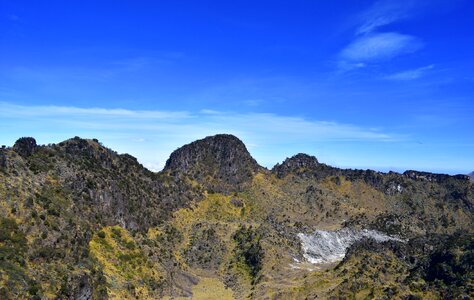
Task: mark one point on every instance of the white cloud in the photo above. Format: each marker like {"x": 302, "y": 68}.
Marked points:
{"x": 7, "y": 109}
{"x": 152, "y": 135}
{"x": 379, "y": 47}
{"x": 371, "y": 44}
{"x": 386, "y": 12}
{"x": 410, "y": 74}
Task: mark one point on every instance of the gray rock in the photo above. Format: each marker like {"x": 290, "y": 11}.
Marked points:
{"x": 220, "y": 163}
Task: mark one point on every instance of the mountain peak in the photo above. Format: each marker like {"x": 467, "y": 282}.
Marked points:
{"x": 221, "y": 163}
{"x": 295, "y": 163}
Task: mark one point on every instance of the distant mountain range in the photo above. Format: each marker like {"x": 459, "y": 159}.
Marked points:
{"x": 79, "y": 221}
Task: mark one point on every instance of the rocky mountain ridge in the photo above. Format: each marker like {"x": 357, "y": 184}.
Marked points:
{"x": 80, "y": 221}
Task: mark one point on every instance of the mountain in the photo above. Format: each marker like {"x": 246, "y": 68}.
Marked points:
{"x": 80, "y": 221}
{"x": 471, "y": 175}
{"x": 220, "y": 163}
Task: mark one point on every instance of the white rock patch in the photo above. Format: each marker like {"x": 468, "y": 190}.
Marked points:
{"x": 330, "y": 246}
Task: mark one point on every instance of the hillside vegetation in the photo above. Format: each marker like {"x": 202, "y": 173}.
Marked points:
{"x": 79, "y": 221}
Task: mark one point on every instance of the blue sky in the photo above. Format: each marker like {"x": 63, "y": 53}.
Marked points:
{"x": 387, "y": 85}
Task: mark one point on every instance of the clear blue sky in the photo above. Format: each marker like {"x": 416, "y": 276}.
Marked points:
{"x": 360, "y": 84}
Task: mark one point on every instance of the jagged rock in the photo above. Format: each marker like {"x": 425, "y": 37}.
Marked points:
{"x": 297, "y": 164}
{"x": 221, "y": 163}
{"x": 25, "y": 146}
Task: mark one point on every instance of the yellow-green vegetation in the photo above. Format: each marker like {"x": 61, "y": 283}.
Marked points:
{"x": 207, "y": 289}
{"x": 214, "y": 208}
{"x": 205, "y": 234}
{"x": 214, "y": 239}
{"x": 215, "y": 212}
{"x": 13, "y": 246}
{"x": 128, "y": 271}
{"x": 211, "y": 289}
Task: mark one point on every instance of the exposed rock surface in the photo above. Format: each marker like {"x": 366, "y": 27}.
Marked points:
{"x": 221, "y": 163}
{"x": 330, "y": 246}
{"x": 300, "y": 163}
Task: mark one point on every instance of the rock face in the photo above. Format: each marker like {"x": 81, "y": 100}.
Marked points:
{"x": 25, "y": 146}
{"x": 221, "y": 163}
{"x": 331, "y": 246}
{"x": 297, "y": 164}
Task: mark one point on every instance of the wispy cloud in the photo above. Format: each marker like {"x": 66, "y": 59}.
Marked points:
{"x": 7, "y": 109}
{"x": 380, "y": 46}
{"x": 410, "y": 74}
{"x": 152, "y": 135}
{"x": 383, "y": 13}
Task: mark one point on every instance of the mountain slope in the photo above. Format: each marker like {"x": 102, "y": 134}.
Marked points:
{"x": 80, "y": 221}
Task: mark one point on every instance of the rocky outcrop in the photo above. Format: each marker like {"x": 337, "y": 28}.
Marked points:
{"x": 299, "y": 164}
{"x": 330, "y": 246}
{"x": 25, "y": 146}
{"x": 220, "y": 163}
{"x": 391, "y": 183}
